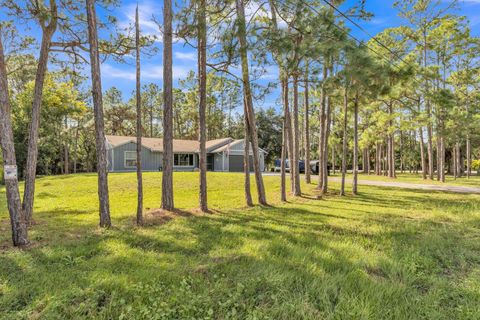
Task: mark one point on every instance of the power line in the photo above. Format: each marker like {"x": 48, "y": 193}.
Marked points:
{"x": 372, "y": 37}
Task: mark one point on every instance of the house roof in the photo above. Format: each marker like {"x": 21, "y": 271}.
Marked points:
{"x": 156, "y": 144}
{"x": 227, "y": 146}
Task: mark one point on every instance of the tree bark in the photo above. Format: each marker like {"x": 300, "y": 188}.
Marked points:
{"x": 459, "y": 159}
{"x": 295, "y": 165}
{"x": 326, "y": 135}
{"x": 333, "y": 159}
{"x": 454, "y": 153}
{"x": 75, "y": 148}
{"x": 246, "y": 159}
{"x": 307, "y": 129}
{"x": 167, "y": 176}
{"x": 321, "y": 141}
{"x": 344, "y": 142}
{"x": 355, "y": 146}
{"x": 98, "y": 114}
{"x": 17, "y": 218}
{"x": 242, "y": 38}
{"x": 422, "y": 154}
{"x": 139, "y": 123}
{"x": 202, "y": 74}
{"x": 469, "y": 156}
{"x": 285, "y": 139}
{"x": 32, "y": 149}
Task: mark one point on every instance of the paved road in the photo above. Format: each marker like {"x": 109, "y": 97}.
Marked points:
{"x": 407, "y": 185}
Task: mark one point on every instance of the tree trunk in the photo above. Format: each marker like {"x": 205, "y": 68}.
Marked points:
{"x": 321, "y": 141}
{"x": 391, "y": 146}
{"x": 422, "y": 154}
{"x": 246, "y": 159}
{"x": 307, "y": 129}
{"x": 333, "y": 160}
{"x": 442, "y": 159}
{"x": 344, "y": 142}
{"x": 355, "y": 146}
{"x": 283, "y": 192}
{"x": 285, "y": 133}
{"x": 98, "y": 113}
{"x": 288, "y": 128}
{"x": 242, "y": 38}
{"x": 454, "y": 158}
{"x": 459, "y": 159}
{"x": 296, "y": 148}
{"x": 328, "y": 113}
{"x": 202, "y": 74}
{"x": 139, "y": 124}
{"x": 32, "y": 149}
{"x": 75, "y": 148}
{"x": 167, "y": 176}
{"x": 17, "y": 217}
{"x": 439, "y": 175}
{"x": 469, "y": 157}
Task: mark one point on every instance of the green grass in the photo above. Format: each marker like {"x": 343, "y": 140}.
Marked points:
{"x": 473, "y": 181}
{"x": 385, "y": 254}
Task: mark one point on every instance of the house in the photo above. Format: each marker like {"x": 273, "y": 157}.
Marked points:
{"x": 224, "y": 154}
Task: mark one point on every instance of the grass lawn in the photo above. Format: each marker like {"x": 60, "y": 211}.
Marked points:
{"x": 385, "y": 254}
{"x": 473, "y": 181}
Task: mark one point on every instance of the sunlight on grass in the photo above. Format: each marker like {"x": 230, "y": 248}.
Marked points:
{"x": 385, "y": 254}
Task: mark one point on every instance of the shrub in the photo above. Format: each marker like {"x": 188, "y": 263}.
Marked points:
{"x": 476, "y": 164}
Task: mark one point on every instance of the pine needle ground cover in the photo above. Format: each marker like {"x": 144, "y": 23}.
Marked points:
{"x": 387, "y": 253}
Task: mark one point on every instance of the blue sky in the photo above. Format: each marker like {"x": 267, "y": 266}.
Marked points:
{"x": 122, "y": 76}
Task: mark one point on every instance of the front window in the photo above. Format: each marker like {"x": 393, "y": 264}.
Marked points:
{"x": 130, "y": 159}
{"x": 183, "y": 160}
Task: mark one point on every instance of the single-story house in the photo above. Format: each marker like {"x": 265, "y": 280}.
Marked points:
{"x": 224, "y": 154}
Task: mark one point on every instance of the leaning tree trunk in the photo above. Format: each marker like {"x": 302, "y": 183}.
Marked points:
{"x": 344, "y": 142}
{"x": 17, "y": 217}
{"x": 167, "y": 176}
{"x": 295, "y": 165}
{"x": 139, "y": 124}
{"x": 242, "y": 38}
{"x": 202, "y": 75}
{"x": 355, "y": 146}
{"x": 32, "y": 149}
{"x": 98, "y": 114}
{"x": 306, "y": 129}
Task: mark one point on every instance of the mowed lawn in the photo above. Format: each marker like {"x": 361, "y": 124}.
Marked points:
{"x": 385, "y": 254}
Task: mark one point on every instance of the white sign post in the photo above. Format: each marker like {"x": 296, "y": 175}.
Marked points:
{"x": 10, "y": 172}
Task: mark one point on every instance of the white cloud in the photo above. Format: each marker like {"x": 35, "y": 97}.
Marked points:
{"x": 190, "y": 56}
{"x": 149, "y": 72}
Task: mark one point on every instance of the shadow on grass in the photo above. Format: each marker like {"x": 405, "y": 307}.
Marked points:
{"x": 304, "y": 260}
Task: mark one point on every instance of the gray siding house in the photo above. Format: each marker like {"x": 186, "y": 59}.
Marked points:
{"x": 222, "y": 154}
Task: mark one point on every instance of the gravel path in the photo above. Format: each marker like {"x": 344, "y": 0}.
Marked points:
{"x": 406, "y": 185}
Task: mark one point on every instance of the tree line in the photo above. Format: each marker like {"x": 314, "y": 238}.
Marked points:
{"x": 406, "y": 99}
